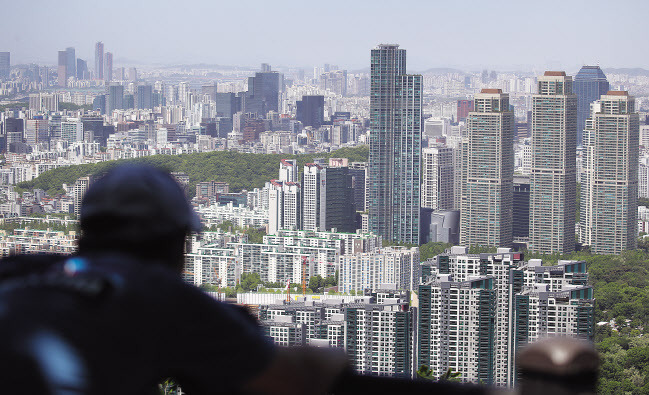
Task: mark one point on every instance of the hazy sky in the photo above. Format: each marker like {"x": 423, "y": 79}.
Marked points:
{"x": 470, "y": 34}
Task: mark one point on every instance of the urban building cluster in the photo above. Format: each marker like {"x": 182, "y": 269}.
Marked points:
{"x": 474, "y": 159}
{"x": 469, "y": 313}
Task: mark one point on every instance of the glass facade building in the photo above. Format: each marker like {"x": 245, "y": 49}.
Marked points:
{"x": 395, "y": 146}
{"x": 590, "y": 83}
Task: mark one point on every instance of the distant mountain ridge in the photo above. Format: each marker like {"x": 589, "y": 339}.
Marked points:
{"x": 635, "y": 72}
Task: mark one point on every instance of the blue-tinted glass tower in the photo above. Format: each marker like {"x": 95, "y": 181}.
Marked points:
{"x": 589, "y": 84}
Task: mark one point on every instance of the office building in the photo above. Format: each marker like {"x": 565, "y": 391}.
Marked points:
{"x": 487, "y": 172}
{"x": 14, "y": 132}
{"x": 210, "y": 91}
{"x": 71, "y": 63}
{"x": 144, "y": 97}
{"x": 358, "y": 172}
{"x": 82, "y": 70}
{"x": 395, "y": 146}
{"x": 336, "y": 205}
{"x": 108, "y": 67}
{"x": 62, "y": 69}
{"x": 553, "y": 182}
{"x": 590, "y": 83}
{"x": 115, "y": 98}
{"x": 310, "y": 111}
{"x": 5, "y": 65}
{"x": 477, "y": 310}
{"x": 437, "y": 174}
{"x": 263, "y": 93}
{"x": 464, "y": 107}
{"x": 371, "y": 270}
{"x": 72, "y": 130}
{"x": 521, "y": 209}
{"x": 609, "y": 183}
{"x": 440, "y": 226}
{"x": 226, "y": 104}
{"x": 99, "y": 60}
{"x": 36, "y": 131}
{"x": 132, "y": 74}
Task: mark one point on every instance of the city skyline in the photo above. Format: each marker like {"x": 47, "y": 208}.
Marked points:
{"x": 437, "y": 35}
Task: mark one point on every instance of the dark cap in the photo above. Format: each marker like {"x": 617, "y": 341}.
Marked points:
{"x": 139, "y": 201}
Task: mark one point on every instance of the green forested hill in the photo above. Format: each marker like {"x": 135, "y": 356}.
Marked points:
{"x": 241, "y": 171}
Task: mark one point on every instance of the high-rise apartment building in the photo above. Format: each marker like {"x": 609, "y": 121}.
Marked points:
{"x": 487, "y": 172}
{"x": 99, "y": 60}
{"x": 590, "y": 83}
{"x": 609, "y": 183}
{"x": 395, "y": 146}
{"x": 288, "y": 170}
{"x": 477, "y": 310}
{"x": 284, "y": 206}
{"x": 371, "y": 270}
{"x": 311, "y": 195}
{"x": 553, "y": 182}
{"x": 108, "y": 67}
{"x": 5, "y": 65}
{"x": 437, "y": 175}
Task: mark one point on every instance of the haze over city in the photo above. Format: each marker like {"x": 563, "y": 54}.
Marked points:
{"x": 471, "y": 35}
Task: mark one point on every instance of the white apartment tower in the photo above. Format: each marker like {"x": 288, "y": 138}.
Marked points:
{"x": 487, "y": 172}
{"x": 311, "y": 196}
{"x": 553, "y": 182}
{"x": 609, "y": 184}
{"x": 437, "y": 185}
{"x": 288, "y": 170}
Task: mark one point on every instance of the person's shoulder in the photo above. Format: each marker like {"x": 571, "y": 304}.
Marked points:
{"x": 22, "y": 264}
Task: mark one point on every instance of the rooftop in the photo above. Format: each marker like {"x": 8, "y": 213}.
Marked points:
{"x": 555, "y": 74}
{"x": 491, "y": 90}
{"x": 617, "y": 93}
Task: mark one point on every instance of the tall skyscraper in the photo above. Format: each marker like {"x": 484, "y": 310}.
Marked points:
{"x": 553, "y": 182}
{"x": 311, "y": 196}
{"x": 487, "y": 172}
{"x": 99, "y": 60}
{"x": 437, "y": 178}
{"x": 609, "y": 183}
{"x": 590, "y": 83}
{"x": 82, "y": 69}
{"x": 263, "y": 93}
{"x": 144, "y": 97}
{"x": 71, "y": 63}
{"x": 5, "y": 65}
{"x": 36, "y": 130}
{"x": 62, "y": 68}
{"x": 395, "y": 146}
{"x": 115, "y": 99}
{"x": 310, "y": 110}
{"x": 108, "y": 67}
